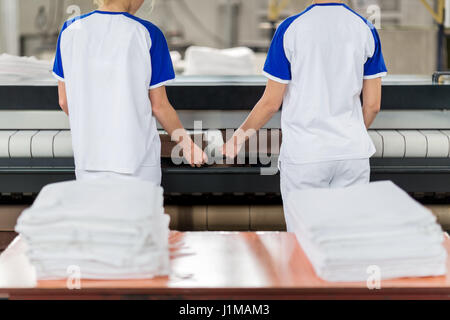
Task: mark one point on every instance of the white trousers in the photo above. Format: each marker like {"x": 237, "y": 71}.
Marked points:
{"x": 333, "y": 174}
{"x": 150, "y": 174}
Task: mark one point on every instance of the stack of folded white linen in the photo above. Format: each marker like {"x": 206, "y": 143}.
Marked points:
{"x": 224, "y": 62}
{"x": 25, "y": 70}
{"x": 377, "y": 229}
{"x": 103, "y": 228}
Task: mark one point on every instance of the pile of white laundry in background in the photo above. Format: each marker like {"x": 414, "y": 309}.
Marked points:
{"x": 25, "y": 70}
{"x": 211, "y": 61}
{"x": 104, "y": 229}
{"x": 349, "y": 233}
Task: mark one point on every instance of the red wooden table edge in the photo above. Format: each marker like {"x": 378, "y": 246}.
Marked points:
{"x": 232, "y": 293}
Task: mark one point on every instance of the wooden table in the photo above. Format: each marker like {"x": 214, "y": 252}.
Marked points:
{"x": 224, "y": 265}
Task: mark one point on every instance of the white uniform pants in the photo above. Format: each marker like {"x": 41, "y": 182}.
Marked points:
{"x": 150, "y": 174}
{"x": 333, "y": 174}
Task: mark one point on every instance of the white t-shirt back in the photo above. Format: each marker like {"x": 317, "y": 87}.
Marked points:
{"x": 109, "y": 61}
{"x": 323, "y": 54}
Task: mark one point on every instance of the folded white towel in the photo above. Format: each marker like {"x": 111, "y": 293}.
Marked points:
{"x": 110, "y": 199}
{"x": 106, "y": 258}
{"x": 393, "y": 270}
{"x": 93, "y": 269}
{"x": 369, "y": 225}
{"x": 369, "y": 254}
{"x": 125, "y": 233}
{"x": 371, "y": 207}
{"x": 109, "y": 228}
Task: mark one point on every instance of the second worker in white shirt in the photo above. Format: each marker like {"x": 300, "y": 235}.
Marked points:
{"x": 319, "y": 63}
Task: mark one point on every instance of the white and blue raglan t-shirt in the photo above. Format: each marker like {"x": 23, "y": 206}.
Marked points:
{"x": 109, "y": 61}
{"x": 323, "y": 54}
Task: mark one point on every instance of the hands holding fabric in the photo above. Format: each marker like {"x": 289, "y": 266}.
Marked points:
{"x": 233, "y": 146}
{"x": 194, "y": 155}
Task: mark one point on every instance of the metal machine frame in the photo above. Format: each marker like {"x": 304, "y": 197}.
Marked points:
{"x": 226, "y": 94}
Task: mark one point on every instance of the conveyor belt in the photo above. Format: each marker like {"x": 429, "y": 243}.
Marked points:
{"x": 35, "y": 144}
{"x": 417, "y": 160}
{"x": 411, "y": 134}
{"x": 47, "y": 144}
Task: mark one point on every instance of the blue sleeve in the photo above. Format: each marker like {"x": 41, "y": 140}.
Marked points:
{"x": 162, "y": 67}
{"x": 58, "y": 70}
{"x": 375, "y": 66}
{"x": 277, "y": 66}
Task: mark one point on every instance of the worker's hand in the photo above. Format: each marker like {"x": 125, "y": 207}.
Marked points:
{"x": 193, "y": 153}
{"x": 233, "y": 146}
{"x": 230, "y": 149}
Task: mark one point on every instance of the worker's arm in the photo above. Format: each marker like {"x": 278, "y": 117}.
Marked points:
{"x": 371, "y": 100}
{"x": 168, "y": 118}
{"x": 63, "y": 97}
{"x": 263, "y": 111}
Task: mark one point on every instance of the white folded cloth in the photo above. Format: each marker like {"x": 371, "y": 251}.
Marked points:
{"x": 111, "y": 199}
{"x": 211, "y": 61}
{"x": 392, "y": 270}
{"x": 367, "y": 206}
{"x": 370, "y": 225}
{"x": 110, "y": 228}
{"x": 55, "y": 270}
{"x": 125, "y": 233}
{"x": 25, "y": 71}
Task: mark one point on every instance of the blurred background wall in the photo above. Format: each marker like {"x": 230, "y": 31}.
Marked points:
{"x": 408, "y": 32}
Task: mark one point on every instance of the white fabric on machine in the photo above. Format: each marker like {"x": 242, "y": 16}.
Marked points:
{"x": 367, "y": 225}
{"x": 110, "y": 228}
{"x": 25, "y": 70}
{"x": 211, "y": 61}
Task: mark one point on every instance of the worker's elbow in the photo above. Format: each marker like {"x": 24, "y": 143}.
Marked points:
{"x": 272, "y": 106}
{"x": 374, "y": 108}
{"x": 275, "y": 108}
{"x": 157, "y": 109}
{"x": 63, "y": 104}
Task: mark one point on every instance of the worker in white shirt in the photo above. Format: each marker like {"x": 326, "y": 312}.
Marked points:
{"x": 319, "y": 63}
{"x": 112, "y": 69}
